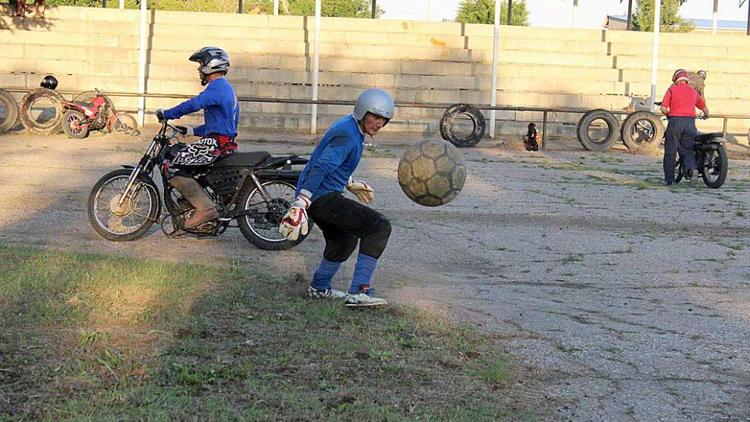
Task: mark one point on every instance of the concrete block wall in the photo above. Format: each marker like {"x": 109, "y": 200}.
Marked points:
{"x": 416, "y": 61}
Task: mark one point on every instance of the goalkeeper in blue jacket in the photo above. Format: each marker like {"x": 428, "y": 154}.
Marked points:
{"x": 345, "y": 223}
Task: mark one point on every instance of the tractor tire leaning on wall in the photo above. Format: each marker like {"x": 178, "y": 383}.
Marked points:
{"x": 584, "y": 137}
{"x": 449, "y": 116}
{"x": 50, "y": 126}
{"x": 9, "y": 104}
{"x": 642, "y": 131}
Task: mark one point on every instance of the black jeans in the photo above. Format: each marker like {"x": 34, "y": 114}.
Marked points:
{"x": 680, "y": 134}
{"x": 345, "y": 222}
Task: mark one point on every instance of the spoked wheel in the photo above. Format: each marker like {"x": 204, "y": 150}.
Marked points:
{"x": 125, "y": 123}
{"x": 260, "y": 225}
{"x": 126, "y": 220}
{"x": 73, "y": 125}
{"x": 715, "y": 167}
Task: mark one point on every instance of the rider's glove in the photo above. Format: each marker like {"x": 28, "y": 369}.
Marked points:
{"x": 294, "y": 222}
{"x": 361, "y": 190}
{"x": 160, "y": 115}
{"x": 185, "y": 130}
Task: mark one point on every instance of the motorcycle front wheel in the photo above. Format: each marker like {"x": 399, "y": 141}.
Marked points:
{"x": 715, "y": 167}
{"x": 73, "y": 125}
{"x": 130, "y": 220}
{"x": 260, "y": 224}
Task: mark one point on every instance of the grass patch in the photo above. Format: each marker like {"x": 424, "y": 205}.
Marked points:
{"x": 94, "y": 337}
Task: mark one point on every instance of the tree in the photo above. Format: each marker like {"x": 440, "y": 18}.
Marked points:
{"x": 643, "y": 18}
{"x": 483, "y": 11}
{"x": 333, "y": 8}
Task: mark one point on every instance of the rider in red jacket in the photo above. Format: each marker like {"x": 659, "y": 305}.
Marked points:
{"x": 679, "y": 105}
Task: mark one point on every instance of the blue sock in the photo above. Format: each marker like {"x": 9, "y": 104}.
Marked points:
{"x": 324, "y": 274}
{"x": 362, "y": 272}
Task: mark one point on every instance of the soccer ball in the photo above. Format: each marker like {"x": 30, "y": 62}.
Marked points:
{"x": 432, "y": 172}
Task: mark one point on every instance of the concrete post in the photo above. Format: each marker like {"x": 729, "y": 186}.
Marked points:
{"x": 122, "y": 4}
{"x": 715, "y": 17}
{"x": 655, "y": 54}
{"x": 495, "y": 53}
{"x": 316, "y": 68}
{"x": 142, "y": 65}
{"x": 276, "y": 7}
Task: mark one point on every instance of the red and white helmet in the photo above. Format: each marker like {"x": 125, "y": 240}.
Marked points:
{"x": 680, "y": 75}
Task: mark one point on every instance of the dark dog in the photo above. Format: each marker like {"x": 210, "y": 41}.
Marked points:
{"x": 530, "y": 139}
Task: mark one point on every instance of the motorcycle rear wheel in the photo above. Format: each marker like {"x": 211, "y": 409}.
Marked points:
{"x": 715, "y": 167}
{"x": 134, "y": 218}
{"x": 73, "y": 124}
{"x": 261, "y": 226}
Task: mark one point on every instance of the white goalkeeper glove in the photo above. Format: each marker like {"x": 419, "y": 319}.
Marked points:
{"x": 364, "y": 192}
{"x": 294, "y": 222}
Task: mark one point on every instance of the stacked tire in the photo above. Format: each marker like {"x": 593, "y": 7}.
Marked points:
{"x": 49, "y": 120}
{"x": 642, "y": 132}
{"x": 8, "y": 111}
{"x": 462, "y": 112}
{"x": 592, "y": 124}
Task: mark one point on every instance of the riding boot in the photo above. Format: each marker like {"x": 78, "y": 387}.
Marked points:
{"x": 192, "y": 191}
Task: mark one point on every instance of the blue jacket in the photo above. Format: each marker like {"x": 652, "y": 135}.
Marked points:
{"x": 333, "y": 160}
{"x": 221, "y": 109}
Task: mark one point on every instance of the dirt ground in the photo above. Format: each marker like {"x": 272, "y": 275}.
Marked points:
{"x": 630, "y": 299}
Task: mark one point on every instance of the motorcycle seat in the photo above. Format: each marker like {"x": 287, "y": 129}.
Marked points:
{"x": 705, "y": 137}
{"x": 242, "y": 159}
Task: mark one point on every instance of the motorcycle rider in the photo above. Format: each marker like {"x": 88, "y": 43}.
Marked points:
{"x": 221, "y": 112}
{"x": 344, "y": 222}
{"x": 679, "y": 105}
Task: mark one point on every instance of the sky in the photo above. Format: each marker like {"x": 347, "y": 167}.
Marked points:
{"x": 558, "y": 13}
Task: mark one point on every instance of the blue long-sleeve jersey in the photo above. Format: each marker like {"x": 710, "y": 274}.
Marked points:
{"x": 333, "y": 160}
{"x": 221, "y": 109}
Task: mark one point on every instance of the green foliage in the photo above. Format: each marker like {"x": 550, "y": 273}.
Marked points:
{"x": 483, "y": 11}
{"x": 643, "y": 18}
{"x": 331, "y": 8}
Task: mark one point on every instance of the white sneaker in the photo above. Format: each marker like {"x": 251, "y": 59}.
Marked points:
{"x": 325, "y": 294}
{"x": 364, "y": 299}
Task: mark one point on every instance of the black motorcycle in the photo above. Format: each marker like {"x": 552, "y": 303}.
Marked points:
{"x": 253, "y": 188}
{"x": 711, "y": 159}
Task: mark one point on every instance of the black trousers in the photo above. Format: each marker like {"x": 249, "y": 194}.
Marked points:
{"x": 345, "y": 222}
{"x": 680, "y": 134}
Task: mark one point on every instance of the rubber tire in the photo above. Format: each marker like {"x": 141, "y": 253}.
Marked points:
{"x": 249, "y": 190}
{"x": 153, "y": 215}
{"x": 125, "y": 123}
{"x": 723, "y": 170}
{"x": 583, "y": 126}
{"x": 10, "y": 104}
{"x": 67, "y": 117}
{"x": 51, "y": 127}
{"x": 446, "y": 125}
{"x": 631, "y": 123}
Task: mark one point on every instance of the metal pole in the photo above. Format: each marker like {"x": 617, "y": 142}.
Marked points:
{"x": 495, "y": 53}
{"x": 748, "y": 19}
{"x": 276, "y": 7}
{"x": 122, "y": 4}
{"x": 374, "y": 8}
{"x": 575, "y": 12}
{"x": 316, "y": 68}
{"x": 510, "y": 10}
{"x": 630, "y": 15}
{"x": 241, "y": 8}
{"x": 142, "y": 65}
{"x": 715, "y": 17}
{"x": 543, "y": 146}
{"x": 655, "y": 55}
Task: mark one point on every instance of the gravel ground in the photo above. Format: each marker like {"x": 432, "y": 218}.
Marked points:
{"x": 629, "y": 299}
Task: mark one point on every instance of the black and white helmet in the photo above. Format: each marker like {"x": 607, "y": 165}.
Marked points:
{"x": 211, "y": 60}
{"x": 375, "y": 101}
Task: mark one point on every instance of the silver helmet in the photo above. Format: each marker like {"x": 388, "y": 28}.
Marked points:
{"x": 375, "y": 101}
{"x": 211, "y": 60}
